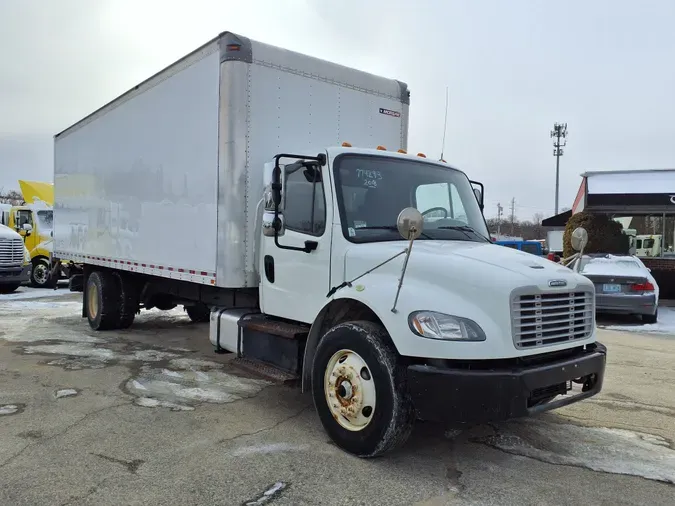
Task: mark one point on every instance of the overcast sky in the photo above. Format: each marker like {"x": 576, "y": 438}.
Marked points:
{"x": 513, "y": 68}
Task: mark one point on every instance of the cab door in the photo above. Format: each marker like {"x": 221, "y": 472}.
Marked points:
{"x": 24, "y": 217}
{"x": 294, "y": 283}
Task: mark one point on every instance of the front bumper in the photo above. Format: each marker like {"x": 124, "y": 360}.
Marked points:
{"x": 626, "y": 303}
{"x": 510, "y": 390}
{"x": 11, "y": 275}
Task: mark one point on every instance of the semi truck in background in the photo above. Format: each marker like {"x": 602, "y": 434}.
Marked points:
{"x": 15, "y": 266}
{"x": 37, "y": 215}
{"x": 270, "y": 193}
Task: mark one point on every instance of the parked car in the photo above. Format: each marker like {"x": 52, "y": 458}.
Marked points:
{"x": 623, "y": 285}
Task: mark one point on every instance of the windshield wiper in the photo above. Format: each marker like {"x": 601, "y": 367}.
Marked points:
{"x": 465, "y": 229}
{"x": 388, "y": 227}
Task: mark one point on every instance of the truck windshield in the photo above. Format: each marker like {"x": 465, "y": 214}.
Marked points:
{"x": 372, "y": 191}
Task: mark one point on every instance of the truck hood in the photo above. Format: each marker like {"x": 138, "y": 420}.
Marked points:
{"x": 8, "y": 233}
{"x": 473, "y": 263}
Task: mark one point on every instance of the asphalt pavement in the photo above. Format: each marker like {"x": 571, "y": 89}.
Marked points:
{"x": 151, "y": 416}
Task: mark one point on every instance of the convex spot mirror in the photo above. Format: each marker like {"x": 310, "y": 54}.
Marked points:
{"x": 579, "y": 238}
{"x": 410, "y": 223}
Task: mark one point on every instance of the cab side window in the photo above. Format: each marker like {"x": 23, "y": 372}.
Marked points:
{"x": 305, "y": 203}
{"x": 24, "y": 217}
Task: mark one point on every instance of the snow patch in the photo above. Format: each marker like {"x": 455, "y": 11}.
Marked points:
{"x": 167, "y": 387}
{"x": 73, "y": 350}
{"x": 34, "y": 293}
{"x": 267, "y": 449}
{"x": 65, "y": 392}
{"x": 8, "y": 409}
{"x": 616, "y": 451}
{"x": 148, "y": 402}
{"x": 664, "y": 326}
{"x": 192, "y": 363}
{"x": 268, "y": 494}
{"x": 77, "y": 364}
{"x": 29, "y": 336}
{"x": 151, "y": 355}
{"x": 13, "y": 306}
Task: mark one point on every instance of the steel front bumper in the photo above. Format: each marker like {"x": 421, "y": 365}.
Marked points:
{"x": 11, "y": 275}
{"x": 469, "y": 395}
{"x": 625, "y": 304}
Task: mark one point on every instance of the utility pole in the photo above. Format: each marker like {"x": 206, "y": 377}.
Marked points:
{"x": 500, "y": 210}
{"x": 559, "y": 132}
{"x": 513, "y": 214}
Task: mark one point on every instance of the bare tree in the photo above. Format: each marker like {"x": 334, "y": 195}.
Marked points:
{"x": 11, "y": 197}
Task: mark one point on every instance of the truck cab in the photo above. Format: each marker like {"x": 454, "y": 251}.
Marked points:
{"x": 439, "y": 323}
{"x": 15, "y": 266}
{"x": 40, "y": 221}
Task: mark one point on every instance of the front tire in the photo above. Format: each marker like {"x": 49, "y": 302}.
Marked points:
{"x": 40, "y": 276}
{"x": 359, "y": 389}
{"x": 103, "y": 301}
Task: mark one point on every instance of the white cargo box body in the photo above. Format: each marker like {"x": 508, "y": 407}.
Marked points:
{"x": 166, "y": 179}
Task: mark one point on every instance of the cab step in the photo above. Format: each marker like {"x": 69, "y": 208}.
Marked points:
{"x": 265, "y": 371}
{"x": 274, "y": 327}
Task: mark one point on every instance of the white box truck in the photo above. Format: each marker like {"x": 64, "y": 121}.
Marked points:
{"x": 227, "y": 183}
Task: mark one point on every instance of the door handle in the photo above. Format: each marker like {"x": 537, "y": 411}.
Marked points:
{"x": 311, "y": 246}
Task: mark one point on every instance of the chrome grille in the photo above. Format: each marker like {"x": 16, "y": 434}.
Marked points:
{"x": 11, "y": 252}
{"x": 545, "y": 319}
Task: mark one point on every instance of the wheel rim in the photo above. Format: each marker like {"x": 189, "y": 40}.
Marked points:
{"x": 350, "y": 390}
{"x": 92, "y": 301}
{"x": 40, "y": 273}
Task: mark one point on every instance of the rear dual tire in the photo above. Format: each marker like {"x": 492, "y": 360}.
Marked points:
{"x": 111, "y": 300}
{"x": 359, "y": 389}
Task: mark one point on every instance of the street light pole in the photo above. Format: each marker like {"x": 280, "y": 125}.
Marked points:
{"x": 559, "y": 132}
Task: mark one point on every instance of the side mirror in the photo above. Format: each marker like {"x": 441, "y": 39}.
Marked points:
{"x": 579, "y": 239}
{"x": 478, "y": 191}
{"x": 270, "y": 226}
{"x": 410, "y": 223}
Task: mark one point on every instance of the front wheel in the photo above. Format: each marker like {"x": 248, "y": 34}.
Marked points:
{"x": 359, "y": 389}
{"x": 40, "y": 276}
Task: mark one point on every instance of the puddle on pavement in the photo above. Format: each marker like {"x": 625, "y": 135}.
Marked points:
{"x": 616, "y": 451}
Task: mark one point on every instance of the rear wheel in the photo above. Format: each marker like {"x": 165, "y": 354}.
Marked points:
{"x": 650, "y": 318}
{"x": 103, "y": 296}
{"x": 359, "y": 389}
{"x": 128, "y": 302}
{"x": 198, "y": 312}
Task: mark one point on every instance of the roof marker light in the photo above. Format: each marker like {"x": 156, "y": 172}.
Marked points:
{"x": 381, "y": 148}
{"x": 422, "y": 155}
{"x": 403, "y": 151}
{"x": 346, "y": 145}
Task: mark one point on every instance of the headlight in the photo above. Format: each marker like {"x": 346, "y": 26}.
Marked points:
{"x": 26, "y": 255}
{"x": 446, "y": 327}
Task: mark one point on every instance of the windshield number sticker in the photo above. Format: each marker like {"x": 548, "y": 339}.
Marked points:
{"x": 369, "y": 177}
